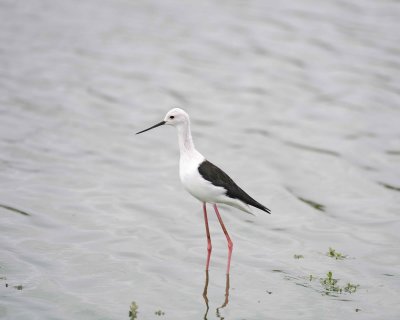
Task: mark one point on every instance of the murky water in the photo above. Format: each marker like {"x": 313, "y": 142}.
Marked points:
{"x": 297, "y": 100}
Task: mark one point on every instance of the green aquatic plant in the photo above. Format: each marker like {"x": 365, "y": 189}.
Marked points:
{"x": 133, "y": 310}
{"x": 14, "y": 209}
{"x": 388, "y": 186}
{"x": 334, "y": 254}
{"x": 298, "y": 256}
{"x": 315, "y": 205}
{"x": 159, "y": 313}
{"x": 351, "y": 288}
{"x": 330, "y": 284}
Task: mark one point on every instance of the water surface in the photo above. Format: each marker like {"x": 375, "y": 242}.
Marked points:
{"x": 297, "y": 101}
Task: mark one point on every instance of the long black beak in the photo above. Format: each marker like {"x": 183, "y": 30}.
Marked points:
{"x": 155, "y": 126}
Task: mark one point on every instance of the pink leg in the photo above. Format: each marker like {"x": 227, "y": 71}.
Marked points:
{"x": 209, "y": 247}
{"x": 230, "y": 243}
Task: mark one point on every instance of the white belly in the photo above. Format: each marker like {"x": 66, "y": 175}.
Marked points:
{"x": 202, "y": 189}
{"x": 196, "y": 185}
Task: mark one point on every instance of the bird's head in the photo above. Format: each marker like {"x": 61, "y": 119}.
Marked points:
{"x": 174, "y": 117}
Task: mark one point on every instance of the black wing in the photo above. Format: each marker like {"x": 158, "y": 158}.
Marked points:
{"x": 219, "y": 178}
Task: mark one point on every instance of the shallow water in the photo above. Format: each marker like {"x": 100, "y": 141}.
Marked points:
{"x": 297, "y": 101}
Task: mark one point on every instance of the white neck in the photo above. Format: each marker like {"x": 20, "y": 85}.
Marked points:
{"x": 185, "y": 140}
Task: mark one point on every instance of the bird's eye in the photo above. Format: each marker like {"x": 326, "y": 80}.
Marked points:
{"x": 171, "y": 117}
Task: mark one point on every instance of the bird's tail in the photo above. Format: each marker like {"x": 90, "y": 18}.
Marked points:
{"x": 258, "y": 205}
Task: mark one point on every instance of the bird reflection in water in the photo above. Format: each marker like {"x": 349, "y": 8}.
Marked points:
{"x": 226, "y": 301}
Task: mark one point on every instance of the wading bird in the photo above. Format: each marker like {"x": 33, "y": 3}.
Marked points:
{"x": 205, "y": 181}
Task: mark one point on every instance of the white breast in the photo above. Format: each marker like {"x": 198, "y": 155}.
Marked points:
{"x": 194, "y": 183}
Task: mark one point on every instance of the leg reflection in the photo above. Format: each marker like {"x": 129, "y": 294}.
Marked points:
{"x": 205, "y": 297}
{"x": 226, "y": 296}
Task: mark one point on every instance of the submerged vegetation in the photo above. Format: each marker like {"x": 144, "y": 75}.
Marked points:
{"x": 311, "y": 203}
{"x": 351, "y": 288}
{"x": 159, "y": 313}
{"x": 14, "y": 210}
{"x": 388, "y": 186}
{"x": 315, "y": 205}
{"x": 334, "y": 254}
{"x": 330, "y": 285}
{"x": 133, "y": 310}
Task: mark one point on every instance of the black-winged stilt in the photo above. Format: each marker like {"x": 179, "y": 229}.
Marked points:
{"x": 205, "y": 181}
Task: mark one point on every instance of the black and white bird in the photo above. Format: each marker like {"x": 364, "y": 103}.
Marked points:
{"x": 205, "y": 181}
